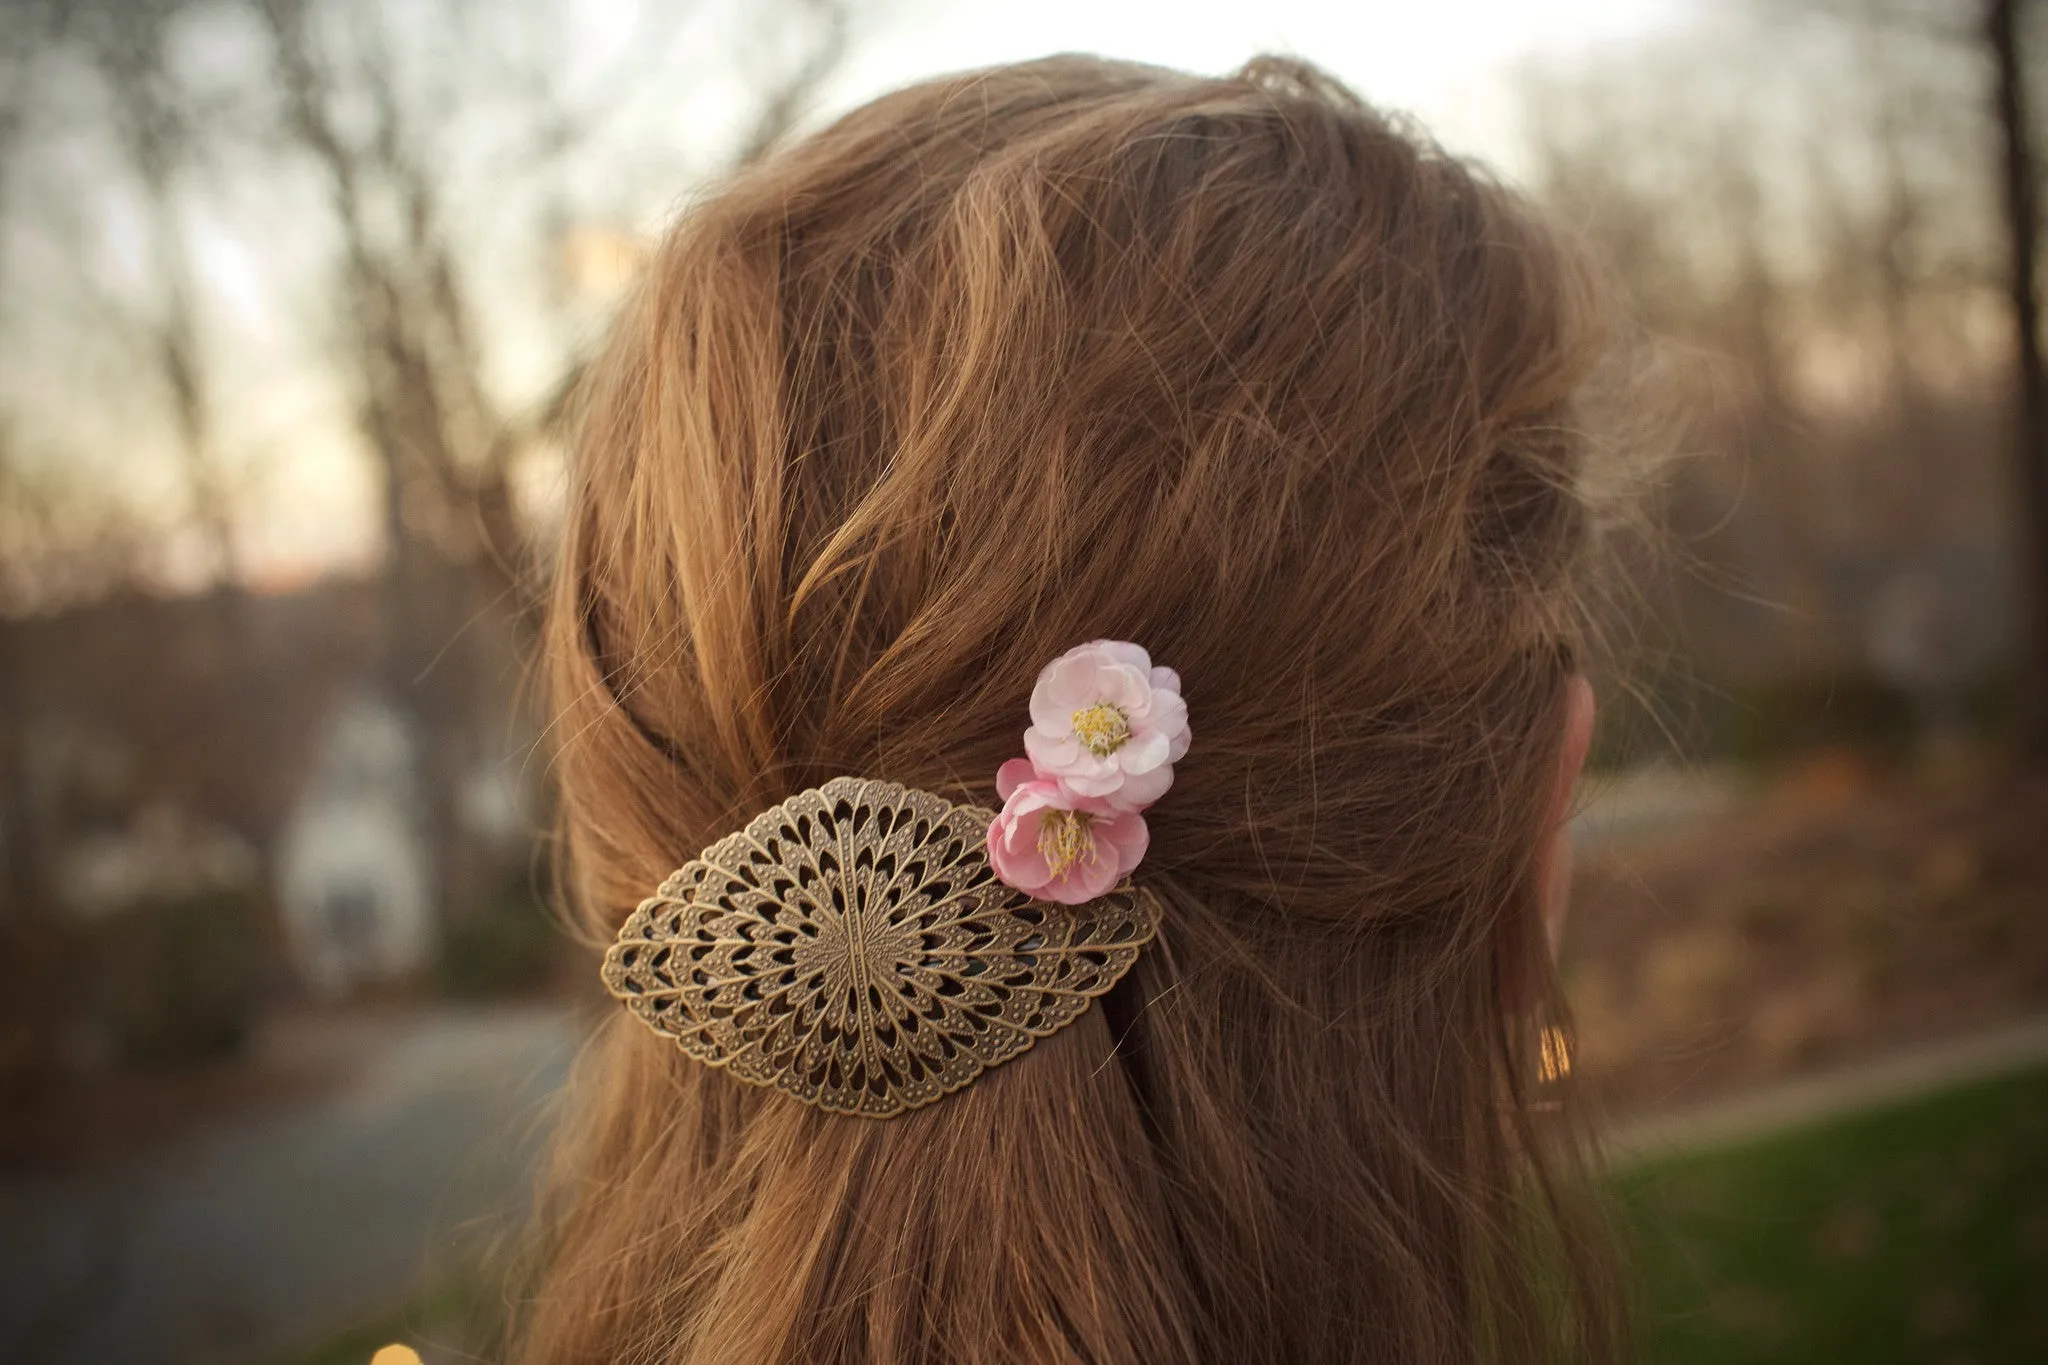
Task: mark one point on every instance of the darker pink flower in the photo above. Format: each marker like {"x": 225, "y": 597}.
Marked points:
{"x": 1056, "y": 846}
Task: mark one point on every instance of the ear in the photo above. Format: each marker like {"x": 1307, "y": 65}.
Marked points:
{"x": 1554, "y": 853}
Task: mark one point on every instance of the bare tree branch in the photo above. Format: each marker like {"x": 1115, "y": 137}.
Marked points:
{"x": 156, "y": 131}
{"x": 786, "y": 102}
{"x": 444, "y": 443}
{"x": 2020, "y": 180}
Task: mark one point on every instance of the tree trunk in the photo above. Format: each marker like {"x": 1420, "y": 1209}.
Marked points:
{"x": 2001, "y": 32}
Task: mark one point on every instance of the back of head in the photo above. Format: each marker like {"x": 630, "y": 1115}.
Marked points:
{"x": 992, "y": 366}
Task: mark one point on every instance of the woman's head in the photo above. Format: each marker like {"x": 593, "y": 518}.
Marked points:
{"x": 996, "y": 365}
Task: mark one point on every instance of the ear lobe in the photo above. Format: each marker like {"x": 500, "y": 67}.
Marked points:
{"x": 1554, "y": 855}
{"x": 1518, "y": 943}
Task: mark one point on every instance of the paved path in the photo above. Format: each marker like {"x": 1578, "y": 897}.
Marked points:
{"x": 251, "y": 1237}
{"x": 1646, "y": 802}
{"x": 1792, "y": 1104}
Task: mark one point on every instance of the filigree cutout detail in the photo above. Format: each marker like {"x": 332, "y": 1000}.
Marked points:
{"x": 853, "y": 947}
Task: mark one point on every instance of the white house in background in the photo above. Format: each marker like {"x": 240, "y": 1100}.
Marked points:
{"x": 354, "y": 875}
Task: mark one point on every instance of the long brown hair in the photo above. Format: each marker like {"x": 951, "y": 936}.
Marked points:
{"x": 1234, "y": 368}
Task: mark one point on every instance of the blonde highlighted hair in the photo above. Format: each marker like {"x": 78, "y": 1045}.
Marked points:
{"x": 1240, "y": 370}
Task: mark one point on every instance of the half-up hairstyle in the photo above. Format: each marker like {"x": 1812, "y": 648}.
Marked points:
{"x": 992, "y": 366}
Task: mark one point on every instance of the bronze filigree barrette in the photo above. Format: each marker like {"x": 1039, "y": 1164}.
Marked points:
{"x": 853, "y": 947}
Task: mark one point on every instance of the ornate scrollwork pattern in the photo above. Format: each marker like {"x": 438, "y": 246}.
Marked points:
{"x": 853, "y": 947}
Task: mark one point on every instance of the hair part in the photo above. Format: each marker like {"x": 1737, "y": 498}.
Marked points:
{"x": 1238, "y": 369}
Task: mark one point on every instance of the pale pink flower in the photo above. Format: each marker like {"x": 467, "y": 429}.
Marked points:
{"x": 1055, "y": 846}
{"x": 1106, "y": 724}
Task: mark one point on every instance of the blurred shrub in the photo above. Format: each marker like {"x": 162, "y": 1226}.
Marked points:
{"x": 167, "y": 981}
{"x": 1991, "y": 706}
{"x": 1801, "y": 715}
{"x": 1768, "y": 722}
{"x": 34, "y": 958}
{"x": 174, "y": 980}
{"x": 504, "y": 945}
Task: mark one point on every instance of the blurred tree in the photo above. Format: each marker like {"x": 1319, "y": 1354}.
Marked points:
{"x": 384, "y": 139}
{"x": 159, "y": 129}
{"x": 60, "y": 539}
{"x": 1829, "y": 253}
{"x": 2020, "y": 183}
{"x": 444, "y": 440}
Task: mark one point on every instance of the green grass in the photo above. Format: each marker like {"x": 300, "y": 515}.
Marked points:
{"x": 1917, "y": 1233}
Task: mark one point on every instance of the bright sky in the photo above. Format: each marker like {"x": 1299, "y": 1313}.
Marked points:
{"x": 1452, "y": 63}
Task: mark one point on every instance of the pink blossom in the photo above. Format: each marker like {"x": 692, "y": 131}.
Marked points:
{"x": 1055, "y": 846}
{"x": 1107, "y": 725}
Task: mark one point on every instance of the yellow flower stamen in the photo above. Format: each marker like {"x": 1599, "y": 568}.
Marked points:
{"x": 1065, "y": 839}
{"x": 1101, "y": 728}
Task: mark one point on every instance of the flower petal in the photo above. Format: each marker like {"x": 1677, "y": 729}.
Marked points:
{"x": 1126, "y": 837}
{"x": 1053, "y": 755}
{"x": 1091, "y": 782}
{"x": 1125, "y": 687}
{"x": 1013, "y": 775}
{"x": 1052, "y": 710}
{"x": 1123, "y": 652}
{"x": 1085, "y": 880}
{"x": 1169, "y": 713}
{"x": 1019, "y": 864}
{"x": 1075, "y": 681}
{"x": 1143, "y": 752}
{"x": 1170, "y": 717}
{"x": 1140, "y": 790}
